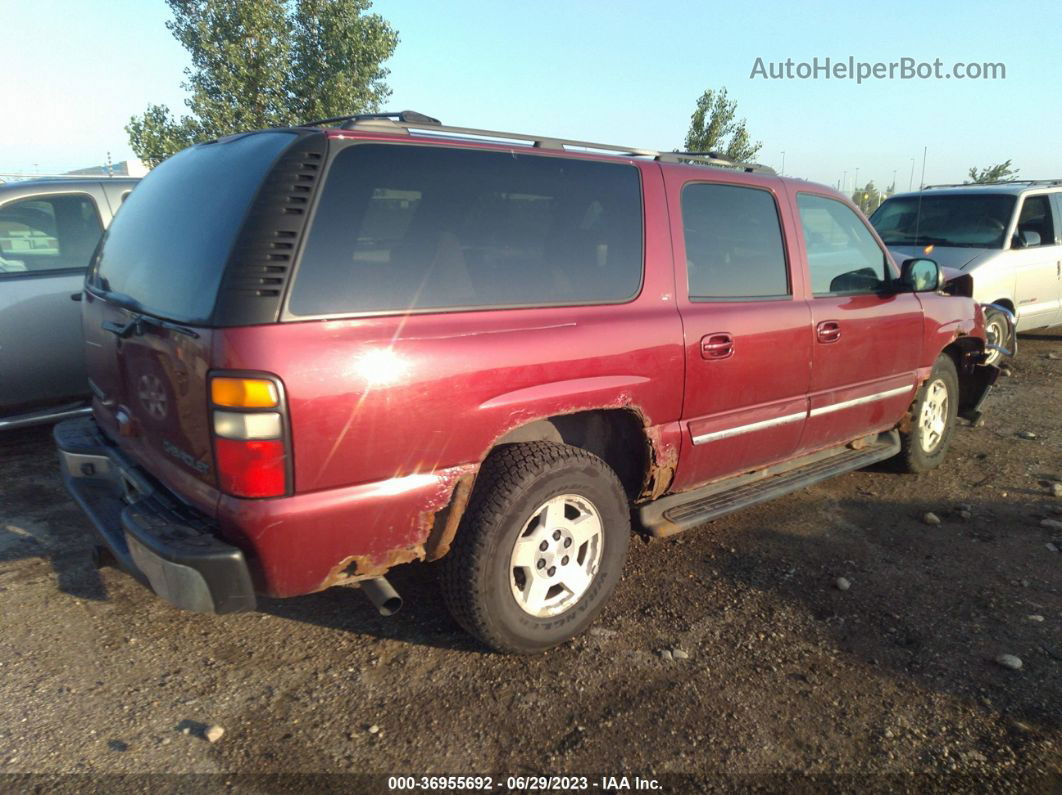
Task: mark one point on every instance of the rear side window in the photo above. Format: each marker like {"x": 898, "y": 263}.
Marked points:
{"x": 843, "y": 256}
{"x": 166, "y": 251}
{"x": 405, "y": 227}
{"x": 733, "y": 243}
{"x": 48, "y": 233}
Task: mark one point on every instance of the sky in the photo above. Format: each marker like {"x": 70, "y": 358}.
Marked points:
{"x": 613, "y": 71}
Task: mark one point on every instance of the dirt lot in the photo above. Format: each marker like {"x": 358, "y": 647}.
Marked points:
{"x": 892, "y": 682}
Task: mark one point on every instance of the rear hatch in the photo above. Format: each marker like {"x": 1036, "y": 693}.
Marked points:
{"x": 175, "y": 265}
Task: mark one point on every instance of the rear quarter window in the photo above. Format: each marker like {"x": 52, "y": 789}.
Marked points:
{"x": 406, "y": 228}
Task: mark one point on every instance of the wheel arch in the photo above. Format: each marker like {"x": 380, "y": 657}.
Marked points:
{"x": 616, "y": 435}
{"x": 974, "y": 379}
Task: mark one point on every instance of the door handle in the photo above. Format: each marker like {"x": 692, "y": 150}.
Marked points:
{"x": 719, "y": 345}
{"x": 828, "y": 331}
{"x": 75, "y": 297}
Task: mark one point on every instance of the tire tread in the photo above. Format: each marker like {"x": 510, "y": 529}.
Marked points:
{"x": 506, "y": 473}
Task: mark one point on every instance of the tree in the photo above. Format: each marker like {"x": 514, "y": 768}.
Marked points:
{"x": 715, "y": 128}
{"x": 996, "y": 173}
{"x": 267, "y": 63}
{"x": 867, "y": 198}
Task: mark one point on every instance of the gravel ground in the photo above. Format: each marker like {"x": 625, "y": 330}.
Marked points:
{"x": 733, "y": 652}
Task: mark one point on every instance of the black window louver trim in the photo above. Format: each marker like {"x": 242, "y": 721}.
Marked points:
{"x": 259, "y": 268}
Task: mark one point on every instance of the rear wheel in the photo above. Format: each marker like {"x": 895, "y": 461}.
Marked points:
{"x": 540, "y": 549}
{"x": 925, "y": 444}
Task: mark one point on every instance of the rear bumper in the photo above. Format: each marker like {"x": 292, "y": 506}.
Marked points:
{"x": 162, "y": 543}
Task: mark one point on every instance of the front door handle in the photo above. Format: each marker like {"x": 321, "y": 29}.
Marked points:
{"x": 719, "y": 345}
{"x": 828, "y": 331}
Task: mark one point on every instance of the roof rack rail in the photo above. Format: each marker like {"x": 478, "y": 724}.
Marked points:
{"x": 405, "y": 121}
{"x": 998, "y": 182}
{"x": 407, "y": 116}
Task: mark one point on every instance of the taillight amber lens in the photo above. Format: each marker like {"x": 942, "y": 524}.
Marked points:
{"x": 244, "y": 393}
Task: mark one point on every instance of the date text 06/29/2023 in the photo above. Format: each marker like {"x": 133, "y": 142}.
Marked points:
{"x": 522, "y": 783}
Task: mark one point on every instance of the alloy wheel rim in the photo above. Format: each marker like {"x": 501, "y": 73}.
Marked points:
{"x": 994, "y": 335}
{"x": 933, "y": 419}
{"x": 556, "y": 556}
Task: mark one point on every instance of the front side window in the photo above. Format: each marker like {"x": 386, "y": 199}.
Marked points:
{"x": 402, "y": 228}
{"x": 734, "y": 244}
{"x": 1035, "y": 225}
{"x": 843, "y": 256}
{"x": 48, "y": 233}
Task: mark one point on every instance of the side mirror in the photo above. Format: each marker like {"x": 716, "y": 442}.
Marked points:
{"x": 921, "y": 275}
{"x": 1025, "y": 238}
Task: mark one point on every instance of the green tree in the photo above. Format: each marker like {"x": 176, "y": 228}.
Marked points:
{"x": 714, "y": 127}
{"x": 867, "y": 198}
{"x": 266, "y": 63}
{"x": 996, "y": 173}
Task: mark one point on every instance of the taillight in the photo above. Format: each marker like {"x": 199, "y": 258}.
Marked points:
{"x": 251, "y": 447}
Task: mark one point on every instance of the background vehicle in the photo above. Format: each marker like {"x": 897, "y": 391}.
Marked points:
{"x": 393, "y": 341}
{"x": 1008, "y": 235}
{"x": 48, "y": 231}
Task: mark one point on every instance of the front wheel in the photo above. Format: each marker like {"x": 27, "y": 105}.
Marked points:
{"x": 540, "y": 549}
{"x": 932, "y": 419}
{"x": 997, "y": 333}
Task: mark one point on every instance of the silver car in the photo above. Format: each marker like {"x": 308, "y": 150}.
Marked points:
{"x": 1008, "y": 235}
{"x": 49, "y": 229}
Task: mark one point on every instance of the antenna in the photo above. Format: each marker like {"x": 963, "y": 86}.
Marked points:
{"x": 921, "y": 185}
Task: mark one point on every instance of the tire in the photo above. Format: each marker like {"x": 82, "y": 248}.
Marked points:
{"x": 933, "y": 413}
{"x": 997, "y": 332}
{"x": 519, "y": 598}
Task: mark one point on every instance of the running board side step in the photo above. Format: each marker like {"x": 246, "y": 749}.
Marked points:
{"x": 678, "y": 512}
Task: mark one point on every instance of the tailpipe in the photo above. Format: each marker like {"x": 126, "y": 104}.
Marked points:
{"x": 383, "y": 597}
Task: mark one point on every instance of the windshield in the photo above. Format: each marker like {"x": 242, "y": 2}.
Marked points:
{"x": 166, "y": 251}
{"x": 962, "y": 221}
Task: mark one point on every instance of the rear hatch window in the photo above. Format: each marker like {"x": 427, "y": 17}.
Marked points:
{"x": 401, "y": 227}
{"x": 166, "y": 251}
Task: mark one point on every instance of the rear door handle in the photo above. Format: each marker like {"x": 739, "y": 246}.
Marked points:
{"x": 828, "y": 331}
{"x": 719, "y": 345}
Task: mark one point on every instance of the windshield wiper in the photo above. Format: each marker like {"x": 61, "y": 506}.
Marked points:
{"x": 139, "y": 318}
{"x": 921, "y": 240}
{"x": 136, "y": 326}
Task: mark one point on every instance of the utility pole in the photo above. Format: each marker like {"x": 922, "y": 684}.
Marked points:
{"x": 783, "y": 162}
{"x": 844, "y": 181}
{"x": 855, "y": 186}
{"x": 910, "y": 182}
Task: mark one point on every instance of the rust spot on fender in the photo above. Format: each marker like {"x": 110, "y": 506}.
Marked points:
{"x": 436, "y": 526}
{"x": 364, "y": 567}
{"x": 663, "y": 458}
{"x": 445, "y": 522}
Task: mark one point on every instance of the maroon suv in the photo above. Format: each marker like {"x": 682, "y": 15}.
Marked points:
{"x": 317, "y": 353}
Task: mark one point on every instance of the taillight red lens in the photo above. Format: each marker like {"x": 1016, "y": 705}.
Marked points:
{"x": 251, "y": 468}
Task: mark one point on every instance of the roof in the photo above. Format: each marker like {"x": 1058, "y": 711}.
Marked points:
{"x": 1009, "y": 188}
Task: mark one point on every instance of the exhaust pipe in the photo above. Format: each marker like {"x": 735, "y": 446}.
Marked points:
{"x": 383, "y": 597}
